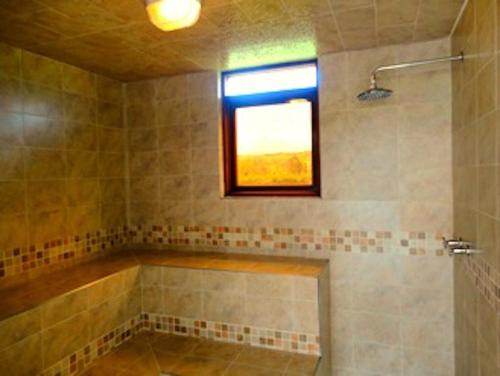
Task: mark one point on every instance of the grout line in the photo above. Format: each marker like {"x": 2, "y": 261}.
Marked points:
{"x": 459, "y": 17}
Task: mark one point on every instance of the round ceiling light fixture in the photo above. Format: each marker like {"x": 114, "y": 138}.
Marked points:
{"x": 170, "y": 15}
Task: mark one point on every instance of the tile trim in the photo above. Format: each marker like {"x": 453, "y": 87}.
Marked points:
{"x": 304, "y": 343}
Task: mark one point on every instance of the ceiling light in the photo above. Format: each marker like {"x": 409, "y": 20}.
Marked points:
{"x": 170, "y": 15}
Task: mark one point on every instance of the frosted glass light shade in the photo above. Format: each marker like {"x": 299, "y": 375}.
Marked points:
{"x": 170, "y": 15}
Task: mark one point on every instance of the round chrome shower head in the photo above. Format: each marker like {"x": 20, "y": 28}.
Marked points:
{"x": 374, "y": 93}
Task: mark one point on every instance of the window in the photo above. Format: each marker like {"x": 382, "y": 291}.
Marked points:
{"x": 270, "y": 127}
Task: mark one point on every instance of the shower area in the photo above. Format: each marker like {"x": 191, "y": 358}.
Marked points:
{"x": 121, "y": 254}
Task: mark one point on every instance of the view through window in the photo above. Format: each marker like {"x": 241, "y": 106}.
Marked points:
{"x": 274, "y": 145}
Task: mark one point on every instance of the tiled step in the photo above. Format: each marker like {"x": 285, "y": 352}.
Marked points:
{"x": 154, "y": 354}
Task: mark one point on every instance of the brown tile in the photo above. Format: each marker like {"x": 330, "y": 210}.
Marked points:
{"x": 18, "y": 327}
{"x": 217, "y": 350}
{"x": 56, "y": 342}
{"x": 10, "y": 61}
{"x": 275, "y": 360}
{"x": 175, "y": 344}
{"x": 194, "y": 366}
{"x": 43, "y": 132}
{"x": 244, "y": 370}
{"x": 11, "y": 129}
{"x": 45, "y": 164}
{"x": 41, "y": 70}
{"x": 24, "y": 358}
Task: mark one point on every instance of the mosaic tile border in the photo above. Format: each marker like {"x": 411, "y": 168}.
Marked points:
{"x": 57, "y": 252}
{"x": 234, "y": 333}
{"x": 484, "y": 277}
{"x": 288, "y": 239}
{"x": 80, "y": 359}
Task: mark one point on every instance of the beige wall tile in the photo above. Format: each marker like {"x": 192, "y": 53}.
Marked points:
{"x": 56, "y": 342}
{"x": 18, "y": 327}
{"x": 24, "y": 358}
{"x": 63, "y": 307}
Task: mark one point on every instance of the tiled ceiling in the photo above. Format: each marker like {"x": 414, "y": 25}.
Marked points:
{"x": 114, "y": 37}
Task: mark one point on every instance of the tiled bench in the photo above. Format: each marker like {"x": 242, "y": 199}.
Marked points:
{"x": 60, "y": 322}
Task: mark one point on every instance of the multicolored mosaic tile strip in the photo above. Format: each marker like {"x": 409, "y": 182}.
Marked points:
{"x": 79, "y": 360}
{"x": 36, "y": 258}
{"x": 269, "y": 239}
{"x": 59, "y": 252}
{"x": 234, "y": 333}
{"x": 485, "y": 277}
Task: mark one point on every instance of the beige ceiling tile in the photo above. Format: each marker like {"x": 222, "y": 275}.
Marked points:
{"x": 127, "y": 10}
{"x": 216, "y": 3}
{"x": 13, "y": 31}
{"x": 114, "y": 37}
{"x": 263, "y": 10}
{"x": 227, "y": 17}
{"x": 359, "y": 39}
{"x": 327, "y": 36}
{"x": 20, "y": 7}
{"x": 306, "y": 8}
{"x": 356, "y": 19}
{"x": 434, "y": 29}
{"x": 395, "y": 34}
{"x": 432, "y": 10}
{"x": 396, "y": 12}
{"x": 339, "y": 5}
{"x": 69, "y": 26}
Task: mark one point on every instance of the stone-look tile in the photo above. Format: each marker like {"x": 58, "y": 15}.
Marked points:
{"x": 183, "y": 278}
{"x": 274, "y": 360}
{"x": 111, "y": 314}
{"x": 175, "y": 344}
{"x": 377, "y": 358}
{"x": 229, "y": 282}
{"x": 269, "y": 286}
{"x": 270, "y": 313}
{"x": 41, "y": 70}
{"x": 217, "y": 350}
{"x": 17, "y": 328}
{"x": 103, "y": 289}
{"x": 195, "y": 366}
{"x": 152, "y": 299}
{"x": 224, "y": 307}
{"x": 247, "y": 370}
{"x": 10, "y": 62}
{"x": 184, "y": 303}
{"x": 63, "y": 307}
{"x": 56, "y": 342}
{"x": 78, "y": 81}
{"x": 374, "y": 327}
{"x": 24, "y": 358}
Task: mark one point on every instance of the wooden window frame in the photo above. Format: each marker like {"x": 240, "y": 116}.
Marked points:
{"x": 229, "y": 106}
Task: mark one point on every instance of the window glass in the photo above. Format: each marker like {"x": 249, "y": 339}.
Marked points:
{"x": 274, "y": 144}
{"x": 271, "y": 80}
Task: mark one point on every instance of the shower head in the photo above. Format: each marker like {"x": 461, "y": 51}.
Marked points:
{"x": 374, "y": 93}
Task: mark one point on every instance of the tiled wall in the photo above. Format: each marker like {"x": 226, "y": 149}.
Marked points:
{"x": 387, "y": 199}
{"x": 476, "y": 158}
{"x": 43, "y": 338}
{"x": 261, "y": 303}
{"x": 62, "y": 164}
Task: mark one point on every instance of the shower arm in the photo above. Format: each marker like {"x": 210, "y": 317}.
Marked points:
{"x": 411, "y": 64}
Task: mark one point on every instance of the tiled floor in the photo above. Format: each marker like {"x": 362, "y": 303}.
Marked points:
{"x": 148, "y": 354}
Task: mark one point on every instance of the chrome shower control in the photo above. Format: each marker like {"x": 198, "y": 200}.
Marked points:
{"x": 459, "y": 247}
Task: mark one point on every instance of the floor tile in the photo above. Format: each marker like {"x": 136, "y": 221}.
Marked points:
{"x": 175, "y": 344}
